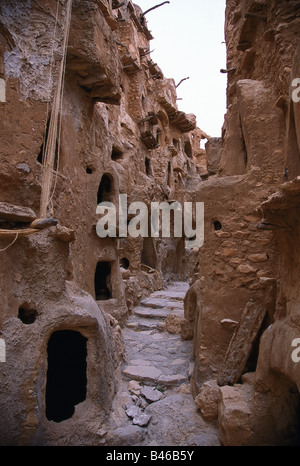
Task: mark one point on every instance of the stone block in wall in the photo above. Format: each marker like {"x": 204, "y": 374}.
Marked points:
{"x": 234, "y": 415}
{"x": 246, "y": 269}
{"x": 13, "y": 213}
{"x": 256, "y": 258}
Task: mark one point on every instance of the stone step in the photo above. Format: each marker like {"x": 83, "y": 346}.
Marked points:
{"x": 178, "y": 286}
{"x": 147, "y": 374}
{"x": 155, "y": 303}
{"x": 151, "y": 313}
{"x": 173, "y": 295}
{"x": 150, "y": 319}
{"x": 145, "y": 324}
{"x": 176, "y": 305}
{"x": 160, "y": 302}
{"x": 151, "y": 375}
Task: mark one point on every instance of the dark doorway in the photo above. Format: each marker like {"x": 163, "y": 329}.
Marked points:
{"x": 148, "y": 256}
{"x": 124, "y": 262}
{"x": 103, "y": 281}
{"x": 105, "y": 191}
{"x": 66, "y": 376}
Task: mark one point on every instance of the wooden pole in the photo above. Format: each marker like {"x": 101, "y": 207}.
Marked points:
{"x": 184, "y": 79}
{"x": 153, "y": 8}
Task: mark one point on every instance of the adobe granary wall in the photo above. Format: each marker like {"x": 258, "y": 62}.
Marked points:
{"x": 242, "y": 309}
{"x": 120, "y": 133}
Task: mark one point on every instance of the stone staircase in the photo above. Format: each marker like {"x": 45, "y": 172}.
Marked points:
{"x": 155, "y": 353}
{"x": 154, "y": 404}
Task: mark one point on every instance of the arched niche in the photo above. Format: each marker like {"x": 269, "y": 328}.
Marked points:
{"x": 66, "y": 383}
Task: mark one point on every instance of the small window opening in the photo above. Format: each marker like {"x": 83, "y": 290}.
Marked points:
{"x": 218, "y": 225}
{"x": 244, "y": 147}
{"x": 169, "y": 176}
{"x": 27, "y": 315}
{"x": 116, "y": 155}
{"x": 105, "y": 189}
{"x": 124, "y": 262}
{"x": 103, "y": 289}
{"x": 148, "y": 166}
{"x": 89, "y": 170}
{"x": 66, "y": 375}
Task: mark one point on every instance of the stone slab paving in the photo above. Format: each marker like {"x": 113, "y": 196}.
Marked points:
{"x": 149, "y": 347}
{"x": 154, "y": 404}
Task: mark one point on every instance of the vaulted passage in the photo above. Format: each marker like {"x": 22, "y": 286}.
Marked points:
{"x": 66, "y": 376}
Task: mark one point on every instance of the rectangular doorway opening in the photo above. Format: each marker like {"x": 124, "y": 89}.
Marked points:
{"x": 103, "y": 287}
{"x": 66, "y": 375}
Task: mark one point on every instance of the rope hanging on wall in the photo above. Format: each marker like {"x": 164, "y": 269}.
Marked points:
{"x": 54, "y": 124}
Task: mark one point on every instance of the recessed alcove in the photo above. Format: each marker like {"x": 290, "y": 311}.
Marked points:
{"x": 116, "y": 154}
{"x": 103, "y": 288}
{"x": 66, "y": 375}
{"x": 89, "y": 170}
{"x": 105, "y": 191}
{"x": 124, "y": 262}
{"x": 217, "y": 225}
{"x": 27, "y": 314}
